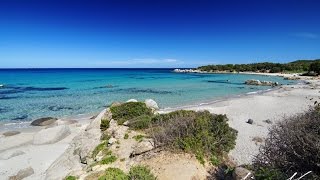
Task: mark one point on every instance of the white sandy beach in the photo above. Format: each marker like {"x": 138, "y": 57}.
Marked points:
{"x": 18, "y": 152}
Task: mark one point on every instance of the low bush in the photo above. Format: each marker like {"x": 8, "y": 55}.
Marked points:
{"x": 70, "y": 178}
{"x": 129, "y": 110}
{"x": 99, "y": 148}
{"x": 140, "y": 122}
{"x": 204, "y": 134}
{"x": 141, "y": 173}
{"x": 105, "y": 123}
{"x": 126, "y": 136}
{"x": 138, "y": 138}
{"x": 114, "y": 174}
{"x": 293, "y": 145}
{"x": 135, "y": 173}
{"x": 108, "y": 159}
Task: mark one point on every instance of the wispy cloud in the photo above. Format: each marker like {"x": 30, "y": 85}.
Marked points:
{"x": 141, "y": 62}
{"x": 306, "y": 35}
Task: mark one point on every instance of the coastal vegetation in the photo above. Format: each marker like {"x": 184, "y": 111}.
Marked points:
{"x": 292, "y": 146}
{"x": 135, "y": 173}
{"x": 206, "y": 135}
{"x": 298, "y": 66}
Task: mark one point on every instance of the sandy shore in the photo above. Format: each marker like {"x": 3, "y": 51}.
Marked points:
{"x": 18, "y": 152}
{"x": 273, "y": 105}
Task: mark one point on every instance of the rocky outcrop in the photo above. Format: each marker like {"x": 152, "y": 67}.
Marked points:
{"x": 292, "y": 78}
{"x": 78, "y": 155}
{"x": 1, "y": 86}
{"x": 117, "y": 131}
{"x": 44, "y": 121}
{"x": 261, "y": 83}
{"x": 150, "y": 103}
{"x": 187, "y": 71}
{"x": 23, "y": 173}
{"x": 51, "y": 135}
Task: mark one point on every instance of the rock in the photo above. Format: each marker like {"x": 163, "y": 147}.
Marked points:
{"x": 11, "y": 133}
{"x": 51, "y": 135}
{"x": 112, "y": 141}
{"x": 132, "y": 100}
{"x": 142, "y": 147}
{"x": 241, "y": 173}
{"x": 126, "y": 123}
{"x": 268, "y": 121}
{"x": 23, "y": 173}
{"x": 109, "y": 86}
{"x": 1, "y": 86}
{"x": 117, "y": 131}
{"x": 9, "y": 154}
{"x": 150, "y": 103}
{"x": 250, "y": 121}
{"x": 261, "y": 83}
{"x": 95, "y": 124}
{"x": 292, "y": 78}
{"x": 44, "y": 121}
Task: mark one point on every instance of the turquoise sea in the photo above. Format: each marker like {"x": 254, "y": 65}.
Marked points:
{"x": 33, "y": 93}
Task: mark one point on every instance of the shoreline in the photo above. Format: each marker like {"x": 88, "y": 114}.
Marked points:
{"x": 271, "y": 104}
{"x": 9, "y": 125}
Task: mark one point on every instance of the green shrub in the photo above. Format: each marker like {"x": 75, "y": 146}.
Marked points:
{"x": 140, "y": 122}
{"x": 129, "y": 110}
{"x": 293, "y": 145}
{"x": 126, "y": 136}
{"x": 108, "y": 159}
{"x": 141, "y": 173}
{"x": 139, "y": 137}
{"x": 268, "y": 174}
{"x": 99, "y": 148}
{"x": 201, "y": 133}
{"x": 114, "y": 174}
{"x": 315, "y": 67}
{"x": 105, "y": 123}
{"x": 70, "y": 178}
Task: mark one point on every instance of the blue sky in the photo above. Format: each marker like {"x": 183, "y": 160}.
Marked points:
{"x": 150, "y": 33}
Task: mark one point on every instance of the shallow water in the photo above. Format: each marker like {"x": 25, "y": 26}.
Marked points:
{"x": 34, "y": 93}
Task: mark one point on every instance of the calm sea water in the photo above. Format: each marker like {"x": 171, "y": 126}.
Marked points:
{"x": 34, "y": 93}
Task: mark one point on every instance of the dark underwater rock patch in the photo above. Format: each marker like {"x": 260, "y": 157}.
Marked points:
{"x": 19, "y": 118}
{"x": 59, "y": 108}
{"x": 14, "y": 90}
{"x": 137, "y": 90}
{"x": 44, "y": 121}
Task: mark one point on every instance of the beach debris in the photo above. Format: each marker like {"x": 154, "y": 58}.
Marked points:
{"x": 268, "y": 121}
{"x": 44, "y": 121}
{"x": 144, "y": 146}
{"x": 10, "y": 154}
{"x": 261, "y": 83}
{"x": 150, "y": 103}
{"x": 250, "y": 121}
{"x": 241, "y": 173}
{"x": 11, "y": 133}
{"x": 23, "y": 173}
{"x": 51, "y": 135}
{"x": 132, "y": 100}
